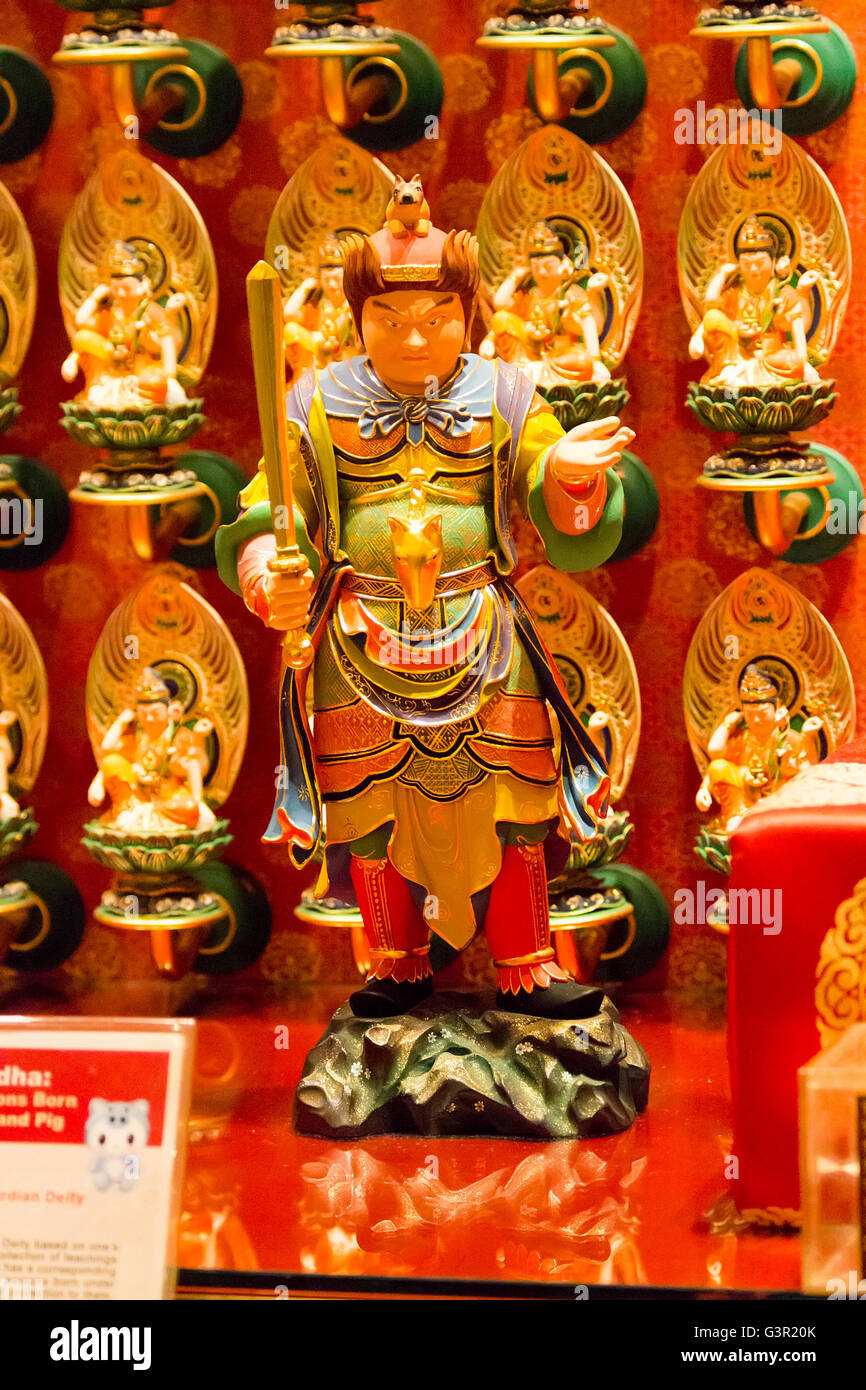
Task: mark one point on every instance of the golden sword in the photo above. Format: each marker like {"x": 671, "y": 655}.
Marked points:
{"x": 280, "y": 439}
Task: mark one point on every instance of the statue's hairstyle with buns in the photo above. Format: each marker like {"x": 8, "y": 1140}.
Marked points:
{"x": 458, "y": 274}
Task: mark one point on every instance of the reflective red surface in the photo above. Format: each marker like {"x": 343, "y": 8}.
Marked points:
{"x": 627, "y": 1210}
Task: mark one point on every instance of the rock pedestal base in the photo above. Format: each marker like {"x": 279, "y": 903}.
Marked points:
{"x": 457, "y": 1065}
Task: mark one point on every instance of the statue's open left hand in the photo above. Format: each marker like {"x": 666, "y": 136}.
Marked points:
{"x": 588, "y": 450}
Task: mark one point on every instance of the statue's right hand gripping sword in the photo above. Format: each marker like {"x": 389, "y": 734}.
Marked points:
{"x": 280, "y": 438}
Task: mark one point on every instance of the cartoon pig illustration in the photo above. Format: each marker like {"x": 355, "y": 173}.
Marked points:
{"x": 115, "y": 1132}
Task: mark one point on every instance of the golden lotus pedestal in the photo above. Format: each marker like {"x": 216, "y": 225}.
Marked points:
{"x": 154, "y": 889}
{"x": 558, "y": 91}
{"x": 772, "y": 80}
{"x": 175, "y": 911}
{"x": 752, "y": 29}
{"x": 136, "y": 475}
{"x": 23, "y": 913}
{"x": 799, "y": 497}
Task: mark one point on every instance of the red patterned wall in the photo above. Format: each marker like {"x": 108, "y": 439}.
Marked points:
{"x": 657, "y": 597}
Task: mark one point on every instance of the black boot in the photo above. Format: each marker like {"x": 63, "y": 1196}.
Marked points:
{"x": 561, "y": 999}
{"x": 387, "y": 998}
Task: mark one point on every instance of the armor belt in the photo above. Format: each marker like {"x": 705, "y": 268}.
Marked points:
{"x": 456, "y": 582}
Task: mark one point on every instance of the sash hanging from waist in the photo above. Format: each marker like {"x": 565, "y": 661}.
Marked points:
{"x": 297, "y": 814}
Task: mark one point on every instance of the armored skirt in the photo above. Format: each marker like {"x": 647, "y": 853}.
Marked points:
{"x": 432, "y": 693}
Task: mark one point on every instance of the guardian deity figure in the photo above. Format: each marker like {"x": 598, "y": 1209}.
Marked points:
{"x": 431, "y": 770}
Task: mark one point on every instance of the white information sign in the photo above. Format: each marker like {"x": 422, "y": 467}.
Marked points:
{"x": 93, "y": 1116}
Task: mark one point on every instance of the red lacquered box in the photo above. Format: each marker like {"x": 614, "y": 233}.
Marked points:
{"x": 797, "y": 961}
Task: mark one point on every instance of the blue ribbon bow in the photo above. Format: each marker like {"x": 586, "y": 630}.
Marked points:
{"x": 383, "y": 415}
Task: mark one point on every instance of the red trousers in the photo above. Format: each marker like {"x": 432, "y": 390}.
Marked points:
{"x": 517, "y": 922}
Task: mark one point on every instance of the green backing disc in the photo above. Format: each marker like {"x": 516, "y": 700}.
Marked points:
{"x": 33, "y": 103}
{"x": 231, "y": 947}
{"x": 627, "y": 95}
{"x": 212, "y": 121}
{"x": 845, "y": 519}
{"x": 652, "y": 924}
{"x": 32, "y": 950}
{"x": 418, "y": 95}
{"x": 45, "y": 530}
{"x": 641, "y": 507}
{"x": 827, "y": 60}
{"x": 225, "y": 479}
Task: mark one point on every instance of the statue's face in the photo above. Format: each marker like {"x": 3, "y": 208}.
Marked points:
{"x": 153, "y": 718}
{"x": 756, "y": 268}
{"x": 413, "y": 337}
{"x": 129, "y": 286}
{"x": 761, "y": 718}
{"x": 548, "y": 270}
{"x": 331, "y": 280}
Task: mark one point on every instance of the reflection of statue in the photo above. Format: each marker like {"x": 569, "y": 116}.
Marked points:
{"x": 319, "y": 327}
{"x": 561, "y": 1212}
{"x": 126, "y": 342}
{"x": 755, "y": 749}
{"x": 753, "y": 331}
{"x": 561, "y": 318}
{"x": 211, "y": 1234}
{"x": 8, "y": 805}
{"x": 151, "y": 767}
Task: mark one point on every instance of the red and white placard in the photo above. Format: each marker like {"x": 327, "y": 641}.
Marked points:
{"x": 93, "y": 1116}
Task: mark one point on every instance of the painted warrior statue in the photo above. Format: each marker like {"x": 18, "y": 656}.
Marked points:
{"x": 432, "y": 769}
{"x": 560, "y": 318}
{"x": 755, "y": 749}
{"x": 753, "y": 331}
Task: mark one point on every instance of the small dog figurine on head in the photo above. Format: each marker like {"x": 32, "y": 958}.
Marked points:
{"x": 408, "y": 213}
